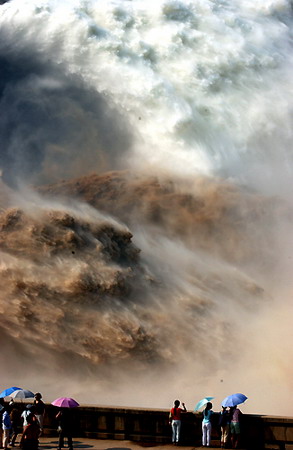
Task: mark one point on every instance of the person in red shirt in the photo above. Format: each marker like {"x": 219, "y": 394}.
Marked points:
{"x": 30, "y": 435}
{"x": 175, "y": 420}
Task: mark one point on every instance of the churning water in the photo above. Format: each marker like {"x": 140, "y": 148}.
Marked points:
{"x": 171, "y": 275}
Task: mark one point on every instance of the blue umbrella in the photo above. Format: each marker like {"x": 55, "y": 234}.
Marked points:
{"x": 202, "y": 403}
{"x": 234, "y": 399}
{"x": 8, "y": 391}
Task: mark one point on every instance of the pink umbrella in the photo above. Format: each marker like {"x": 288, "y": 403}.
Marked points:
{"x": 65, "y": 402}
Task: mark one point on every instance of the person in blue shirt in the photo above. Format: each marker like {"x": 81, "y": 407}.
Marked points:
{"x": 2, "y": 404}
{"x": 206, "y": 425}
{"x": 6, "y": 427}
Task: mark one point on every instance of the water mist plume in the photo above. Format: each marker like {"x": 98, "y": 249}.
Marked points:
{"x": 53, "y": 126}
{"x": 176, "y": 251}
{"x": 80, "y": 291}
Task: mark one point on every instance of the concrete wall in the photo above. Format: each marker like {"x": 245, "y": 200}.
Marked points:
{"x": 152, "y": 426}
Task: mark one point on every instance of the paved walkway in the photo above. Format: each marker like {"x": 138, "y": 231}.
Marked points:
{"x": 50, "y": 443}
{"x": 101, "y": 444}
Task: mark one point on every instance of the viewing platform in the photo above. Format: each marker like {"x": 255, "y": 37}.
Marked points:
{"x": 104, "y": 444}
{"x": 118, "y": 428}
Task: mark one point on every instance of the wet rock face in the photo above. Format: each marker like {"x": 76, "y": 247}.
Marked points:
{"x": 102, "y": 271}
{"x": 62, "y": 275}
{"x": 202, "y": 212}
{"x": 59, "y": 233}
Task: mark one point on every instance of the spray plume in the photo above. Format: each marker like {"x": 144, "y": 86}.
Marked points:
{"x": 145, "y": 216}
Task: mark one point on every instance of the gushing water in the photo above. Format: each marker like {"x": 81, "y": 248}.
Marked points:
{"x": 173, "y": 262}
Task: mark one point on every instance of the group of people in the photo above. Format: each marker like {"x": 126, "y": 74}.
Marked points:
{"x": 228, "y": 423}
{"x": 29, "y": 423}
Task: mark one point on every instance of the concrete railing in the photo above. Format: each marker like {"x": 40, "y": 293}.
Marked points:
{"x": 152, "y": 426}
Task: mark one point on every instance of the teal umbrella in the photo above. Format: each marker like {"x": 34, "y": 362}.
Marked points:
{"x": 202, "y": 403}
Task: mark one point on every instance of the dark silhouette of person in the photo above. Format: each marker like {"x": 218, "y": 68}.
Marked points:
{"x": 16, "y": 422}
{"x": 39, "y": 406}
{"x": 235, "y": 426}
{"x": 224, "y": 424}
{"x": 65, "y": 427}
{"x": 30, "y": 436}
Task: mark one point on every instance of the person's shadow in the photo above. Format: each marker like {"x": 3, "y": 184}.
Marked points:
{"x": 118, "y": 448}
{"x": 53, "y": 444}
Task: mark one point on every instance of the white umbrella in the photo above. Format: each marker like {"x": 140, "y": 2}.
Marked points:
{"x": 22, "y": 393}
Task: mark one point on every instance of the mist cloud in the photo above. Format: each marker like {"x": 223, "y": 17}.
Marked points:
{"x": 52, "y": 125}
{"x": 204, "y": 280}
{"x": 90, "y": 293}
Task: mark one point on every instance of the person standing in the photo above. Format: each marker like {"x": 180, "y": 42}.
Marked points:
{"x": 39, "y": 407}
{"x": 2, "y": 404}
{"x": 26, "y": 412}
{"x": 235, "y": 426}
{"x": 6, "y": 428}
{"x": 224, "y": 423}
{"x": 207, "y": 425}
{"x": 65, "y": 427}
{"x": 15, "y": 423}
{"x": 175, "y": 420}
{"x": 30, "y": 436}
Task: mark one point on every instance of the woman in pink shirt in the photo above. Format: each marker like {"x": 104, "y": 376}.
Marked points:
{"x": 175, "y": 420}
